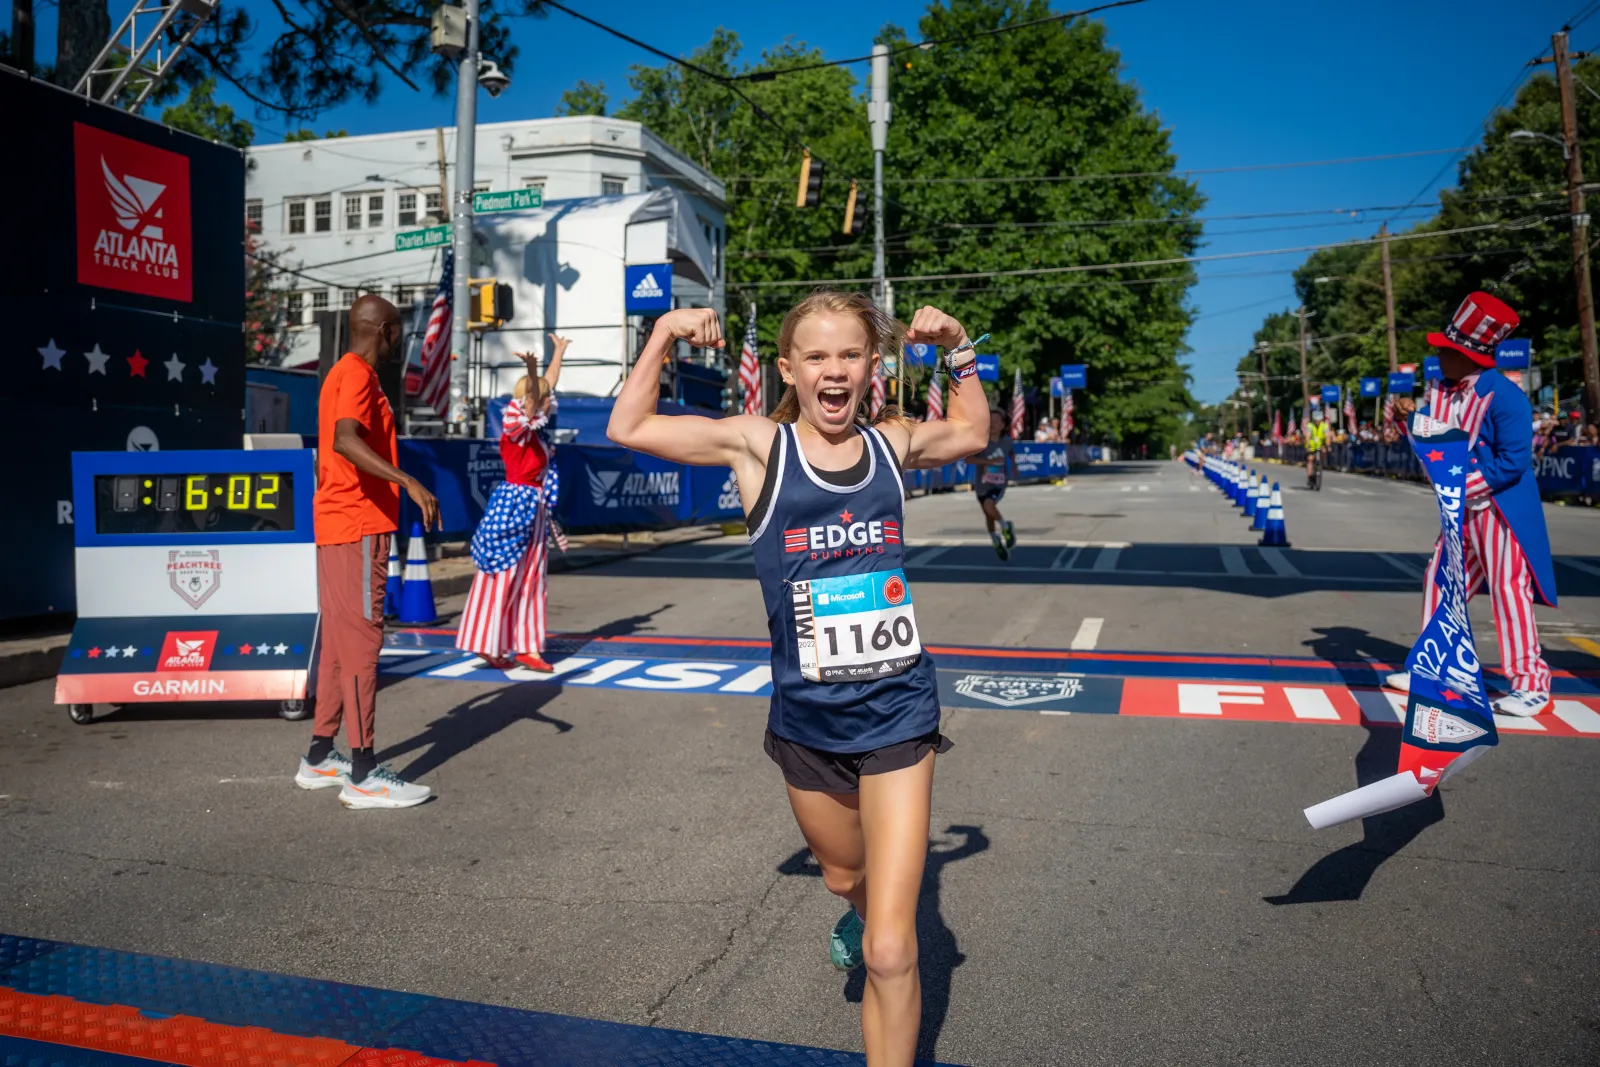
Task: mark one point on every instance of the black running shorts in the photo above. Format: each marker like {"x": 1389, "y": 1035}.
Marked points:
{"x": 816, "y": 771}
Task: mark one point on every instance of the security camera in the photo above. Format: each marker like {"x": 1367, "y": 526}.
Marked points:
{"x": 491, "y": 78}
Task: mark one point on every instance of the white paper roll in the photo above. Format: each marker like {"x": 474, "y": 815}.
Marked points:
{"x": 1374, "y": 799}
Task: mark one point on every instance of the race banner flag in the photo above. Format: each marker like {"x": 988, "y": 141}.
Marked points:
{"x": 879, "y": 395}
{"x": 1066, "y": 416}
{"x": 1294, "y": 427}
{"x": 1277, "y": 427}
{"x": 1016, "y": 405}
{"x": 935, "y": 399}
{"x": 1388, "y": 412}
{"x": 1349, "y": 412}
{"x": 1448, "y": 723}
{"x": 750, "y": 370}
{"x": 436, "y": 343}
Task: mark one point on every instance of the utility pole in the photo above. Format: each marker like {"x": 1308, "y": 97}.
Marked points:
{"x": 1580, "y": 222}
{"x": 1266, "y": 385}
{"x": 1388, "y": 297}
{"x": 22, "y": 35}
{"x": 444, "y": 181}
{"x": 1305, "y": 388}
{"x": 461, "y": 220}
{"x": 878, "y": 118}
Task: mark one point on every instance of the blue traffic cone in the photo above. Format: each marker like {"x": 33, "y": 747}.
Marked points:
{"x": 1248, "y": 504}
{"x": 1236, "y": 488}
{"x": 416, "y": 594}
{"x": 1263, "y": 502}
{"x": 391, "y": 588}
{"x": 1277, "y": 532}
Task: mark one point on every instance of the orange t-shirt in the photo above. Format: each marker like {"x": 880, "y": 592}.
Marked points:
{"x": 349, "y": 503}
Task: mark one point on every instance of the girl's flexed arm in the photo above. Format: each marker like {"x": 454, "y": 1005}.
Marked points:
{"x": 689, "y": 439}
{"x": 965, "y": 427}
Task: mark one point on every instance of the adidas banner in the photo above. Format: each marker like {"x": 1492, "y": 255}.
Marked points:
{"x": 647, "y": 288}
{"x": 1448, "y": 722}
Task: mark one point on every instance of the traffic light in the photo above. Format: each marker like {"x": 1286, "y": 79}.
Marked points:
{"x": 810, "y": 192}
{"x": 491, "y": 303}
{"x": 855, "y": 218}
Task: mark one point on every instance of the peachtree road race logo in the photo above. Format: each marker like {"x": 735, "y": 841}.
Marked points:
{"x": 194, "y": 573}
{"x": 133, "y": 215}
{"x": 648, "y": 288}
{"x": 638, "y": 489}
{"x": 1017, "y": 690}
{"x": 1438, "y": 727}
{"x": 484, "y": 469}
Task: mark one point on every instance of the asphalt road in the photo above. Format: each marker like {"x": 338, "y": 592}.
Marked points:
{"x": 1102, "y": 889}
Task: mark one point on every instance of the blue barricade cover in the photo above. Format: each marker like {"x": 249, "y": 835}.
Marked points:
{"x": 1569, "y": 471}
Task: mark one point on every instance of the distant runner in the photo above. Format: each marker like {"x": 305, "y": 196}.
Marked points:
{"x": 997, "y": 465}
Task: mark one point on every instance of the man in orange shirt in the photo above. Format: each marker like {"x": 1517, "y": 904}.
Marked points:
{"x": 356, "y": 509}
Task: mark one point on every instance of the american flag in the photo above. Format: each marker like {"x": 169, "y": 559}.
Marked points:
{"x": 1293, "y": 428}
{"x": 1388, "y": 412}
{"x": 878, "y": 394}
{"x": 1277, "y": 426}
{"x": 436, "y": 344}
{"x": 935, "y": 398}
{"x": 1349, "y": 412}
{"x": 750, "y": 371}
{"x": 1066, "y": 416}
{"x": 1016, "y": 405}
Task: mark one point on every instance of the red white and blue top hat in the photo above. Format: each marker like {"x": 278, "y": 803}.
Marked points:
{"x": 1481, "y": 323}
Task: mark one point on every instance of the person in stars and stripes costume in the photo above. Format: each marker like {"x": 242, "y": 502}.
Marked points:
{"x": 504, "y": 618}
{"x": 1506, "y": 545}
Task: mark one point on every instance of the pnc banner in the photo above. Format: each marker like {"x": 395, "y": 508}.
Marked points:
{"x": 1371, "y": 387}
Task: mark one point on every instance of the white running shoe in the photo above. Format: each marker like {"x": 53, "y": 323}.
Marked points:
{"x": 1522, "y": 703}
{"x": 331, "y": 773}
{"x": 1400, "y": 680}
{"x": 383, "y": 789}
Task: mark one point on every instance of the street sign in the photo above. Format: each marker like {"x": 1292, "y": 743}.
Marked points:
{"x": 1431, "y": 371}
{"x": 510, "y": 200}
{"x": 1370, "y": 387}
{"x": 1403, "y": 382}
{"x": 646, "y": 287}
{"x": 1515, "y": 354}
{"x": 1330, "y": 395}
{"x": 1075, "y": 375}
{"x": 922, "y": 355}
{"x": 988, "y": 368}
{"x": 1057, "y": 388}
{"x": 432, "y": 237}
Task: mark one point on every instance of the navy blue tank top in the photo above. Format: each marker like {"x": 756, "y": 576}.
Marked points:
{"x": 848, "y": 670}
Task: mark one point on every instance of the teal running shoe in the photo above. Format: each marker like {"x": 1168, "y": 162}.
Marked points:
{"x": 844, "y": 945}
{"x": 1010, "y": 532}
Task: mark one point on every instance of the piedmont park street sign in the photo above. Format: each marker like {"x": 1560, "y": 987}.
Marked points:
{"x": 510, "y": 200}
{"x": 432, "y": 237}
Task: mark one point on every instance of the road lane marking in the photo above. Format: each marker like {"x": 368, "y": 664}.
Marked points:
{"x": 741, "y": 552}
{"x": 1580, "y": 717}
{"x": 1018, "y": 568}
{"x": 928, "y": 556}
{"x": 1405, "y": 567}
{"x": 1578, "y": 564}
{"x": 1066, "y": 558}
{"x": 1144, "y": 489}
{"x": 1588, "y": 645}
{"x": 1107, "y": 560}
{"x": 1127, "y": 488}
{"x": 1310, "y": 703}
{"x": 1233, "y": 560}
{"x": 1088, "y": 635}
{"x": 1279, "y": 562}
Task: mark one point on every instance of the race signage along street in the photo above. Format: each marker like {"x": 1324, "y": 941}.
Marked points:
{"x": 1515, "y": 354}
{"x": 196, "y": 575}
{"x": 646, "y": 288}
{"x": 1371, "y": 387}
{"x": 1431, "y": 371}
{"x": 1057, "y": 386}
{"x": 509, "y": 200}
{"x": 1330, "y": 395}
{"x": 988, "y": 368}
{"x": 1403, "y": 382}
{"x": 1075, "y": 375}
{"x": 432, "y": 237}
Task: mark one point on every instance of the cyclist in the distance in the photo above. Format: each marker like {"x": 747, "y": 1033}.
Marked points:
{"x": 1316, "y": 442}
{"x": 996, "y": 466}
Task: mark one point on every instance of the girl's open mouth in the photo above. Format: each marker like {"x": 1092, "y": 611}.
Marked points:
{"x": 834, "y": 401}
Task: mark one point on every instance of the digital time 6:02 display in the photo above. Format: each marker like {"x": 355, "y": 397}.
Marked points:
{"x": 193, "y": 503}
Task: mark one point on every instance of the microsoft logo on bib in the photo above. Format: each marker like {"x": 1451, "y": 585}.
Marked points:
{"x": 648, "y": 289}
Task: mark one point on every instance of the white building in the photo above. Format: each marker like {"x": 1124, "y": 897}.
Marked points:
{"x": 334, "y": 207}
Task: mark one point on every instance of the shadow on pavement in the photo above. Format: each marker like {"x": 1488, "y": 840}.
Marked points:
{"x": 938, "y": 954}
{"x": 1344, "y": 874}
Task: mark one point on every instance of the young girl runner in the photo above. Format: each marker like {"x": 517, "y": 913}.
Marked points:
{"x": 503, "y": 620}
{"x": 854, "y": 719}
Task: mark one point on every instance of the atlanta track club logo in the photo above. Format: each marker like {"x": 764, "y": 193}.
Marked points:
{"x": 133, "y": 215}
{"x": 187, "y": 650}
{"x": 194, "y": 574}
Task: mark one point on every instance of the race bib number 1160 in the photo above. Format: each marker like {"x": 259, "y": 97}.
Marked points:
{"x": 855, "y": 627}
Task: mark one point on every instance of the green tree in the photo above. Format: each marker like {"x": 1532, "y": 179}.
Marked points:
{"x": 201, "y": 115}
{"x": 304, "y": 134}
{"x": 584, "y": 98}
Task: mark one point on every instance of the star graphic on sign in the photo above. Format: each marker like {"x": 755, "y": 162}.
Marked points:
{"x": 52, "y": 355}
{"x": 208, "y": 372}
{"x": 280, "y": 648}
{"x": 1435, "y": 456}
{"x": 244, "y": 650}
{"x": 97, "y": 359}
{"x": 113, "y": 652}
{"x": 94, "y": 653}
{"x": 1457, "y": 469}
{"x": 1449, "y": 695}
{"x": 137, "y": 364}
{"x": 127, "y": 653}
{"x": 262, "y": 650}
{"x": 845, "y": 516}
{"x": 174, "y": 368}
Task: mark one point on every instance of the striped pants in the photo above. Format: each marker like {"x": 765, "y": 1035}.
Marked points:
{"x": 1493, "y": 555}
{"x": 505, "y": 611}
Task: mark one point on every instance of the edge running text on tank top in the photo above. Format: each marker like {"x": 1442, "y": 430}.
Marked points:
{"x": 849, "y": 673}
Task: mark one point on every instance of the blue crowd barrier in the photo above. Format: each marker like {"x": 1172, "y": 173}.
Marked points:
{"x": 1037, "y": 461}
{"x": 1573, "y": 470}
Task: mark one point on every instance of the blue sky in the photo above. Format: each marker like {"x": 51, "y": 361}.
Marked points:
{"x": 1238, "y": 83}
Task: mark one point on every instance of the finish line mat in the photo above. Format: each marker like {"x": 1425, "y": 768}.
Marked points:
{"x": 1047, "y": 681}
{"x": 75, "y": 1006}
